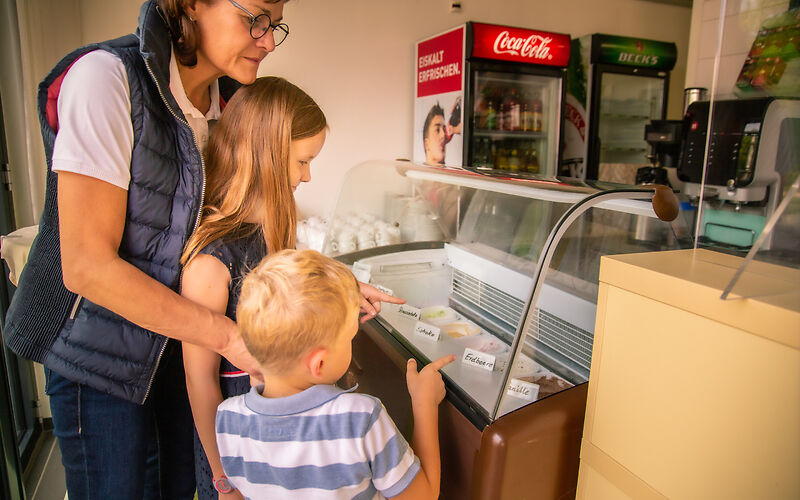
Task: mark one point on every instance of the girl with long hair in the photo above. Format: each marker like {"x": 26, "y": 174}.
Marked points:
{"x": 258, "y": 154}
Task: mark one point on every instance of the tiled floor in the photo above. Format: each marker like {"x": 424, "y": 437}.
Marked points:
{"x": 44, "y": 478}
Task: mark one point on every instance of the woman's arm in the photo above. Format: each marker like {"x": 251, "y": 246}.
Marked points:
{"x": 91, "y": 220}
{"x": 205, "y": 281}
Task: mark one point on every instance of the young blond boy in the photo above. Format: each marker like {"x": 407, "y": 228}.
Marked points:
{"x": 299, "y": 436}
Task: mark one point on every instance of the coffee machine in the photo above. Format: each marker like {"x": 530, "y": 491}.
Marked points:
{"x": 753, "y": 144}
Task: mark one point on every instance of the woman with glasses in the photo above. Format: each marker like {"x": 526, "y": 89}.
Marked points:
{"x": 124, "y": 124}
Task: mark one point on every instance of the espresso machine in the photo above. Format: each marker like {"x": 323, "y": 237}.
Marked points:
{"x": 754, "y": 144}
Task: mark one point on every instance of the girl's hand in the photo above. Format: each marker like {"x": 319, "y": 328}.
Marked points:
{"x": 371, "y": 299}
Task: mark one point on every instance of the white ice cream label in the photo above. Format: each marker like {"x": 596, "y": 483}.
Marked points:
{"x": 362, "y": 272}
{"x": 524, "y": 390}
{"x": 408, "y": 311}
{"x": 426, "y": 330}
{"x": 479, "y": 359}
{"x": 384, "y": 289}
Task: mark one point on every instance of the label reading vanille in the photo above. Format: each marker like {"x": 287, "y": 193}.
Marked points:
{"x": 523, "y": 390}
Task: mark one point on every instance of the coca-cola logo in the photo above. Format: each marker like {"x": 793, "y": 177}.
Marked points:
{"x": 533, "y": 47}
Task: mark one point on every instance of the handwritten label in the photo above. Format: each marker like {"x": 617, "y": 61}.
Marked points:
{"x": 408, "y": 311}
{"x": 523, "y": 390}
{"x": 479, "y": 359}
{"x": 426, "y": 330}
{"x": 384, "y": 289}
{"x": 362, "y": 272}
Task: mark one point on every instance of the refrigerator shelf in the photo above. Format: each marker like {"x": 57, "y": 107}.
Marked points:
{"x": 622, "y": 148}
{"x": 504, "y": 134}
{"x": 624, "y": 116}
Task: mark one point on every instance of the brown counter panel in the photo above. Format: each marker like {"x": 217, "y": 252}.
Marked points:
{"x": 533, "y": 453}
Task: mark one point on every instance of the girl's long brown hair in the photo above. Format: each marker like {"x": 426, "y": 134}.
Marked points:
{"x": 247, "y": 165}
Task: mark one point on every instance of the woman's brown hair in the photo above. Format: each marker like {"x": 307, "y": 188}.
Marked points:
{"x": 247, "y": 164}
{"x": 182, "y": 29}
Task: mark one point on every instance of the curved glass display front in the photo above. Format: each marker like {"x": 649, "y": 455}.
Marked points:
{"x": 502, "y": 273}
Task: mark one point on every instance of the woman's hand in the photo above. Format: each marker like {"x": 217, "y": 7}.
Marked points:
{"x": 371, "y": 299}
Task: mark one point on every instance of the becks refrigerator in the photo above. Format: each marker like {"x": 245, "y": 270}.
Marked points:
{"x": 490, "y": 98}
{"x": 615, "y": 86}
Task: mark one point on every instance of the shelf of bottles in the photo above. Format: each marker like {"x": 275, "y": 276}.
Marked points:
{"x": 509, "y": 124}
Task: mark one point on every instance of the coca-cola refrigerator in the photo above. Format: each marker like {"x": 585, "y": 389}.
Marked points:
{"x": 615, "y": 86}
{"x": 490, "y": 98}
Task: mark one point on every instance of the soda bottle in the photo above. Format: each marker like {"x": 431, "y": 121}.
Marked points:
{"x": 512, "y": 114}
{"x": 501, "y": 158}
{"x": 479, "y": 112}
{"x": 527, "y": 116}
{"x": 490, "y": 120}
{"x": 536, "y": 115}
{"x": 532, "y": 164}
{"x": 513, "y": 160}
{"x": 455, "y": 116}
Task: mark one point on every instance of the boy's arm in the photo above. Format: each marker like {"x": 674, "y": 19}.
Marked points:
{"x": 205, "y": 281}
{"x": 427, "y": 391}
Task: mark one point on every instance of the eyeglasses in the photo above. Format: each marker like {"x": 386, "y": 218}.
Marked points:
{"x": 261, "y": 24}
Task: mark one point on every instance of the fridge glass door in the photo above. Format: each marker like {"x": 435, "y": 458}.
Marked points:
{"x": 515, "y": 123}
{"x": 627, "y": 103}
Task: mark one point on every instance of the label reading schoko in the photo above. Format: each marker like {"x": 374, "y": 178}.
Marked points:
{"x": 426, "y": 330}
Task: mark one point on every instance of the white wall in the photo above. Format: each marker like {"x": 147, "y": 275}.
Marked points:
{"x": 355, "y": 58}
{"x": 741, "y": 20}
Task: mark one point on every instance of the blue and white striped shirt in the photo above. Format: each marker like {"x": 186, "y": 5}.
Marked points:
{"x": 321, "y": 443}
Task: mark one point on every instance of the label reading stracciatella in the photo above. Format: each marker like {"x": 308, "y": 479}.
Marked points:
{"x": 408, "y": 311}
{"x": 479, "y": 359}
{"x": 425, "y": 330}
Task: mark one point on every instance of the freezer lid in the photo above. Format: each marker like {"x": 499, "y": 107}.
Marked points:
{"x": 520, "y": 45}
{"x": 633, "y": 52}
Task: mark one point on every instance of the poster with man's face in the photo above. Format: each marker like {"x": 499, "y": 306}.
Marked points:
{"x": 438, "y": 109}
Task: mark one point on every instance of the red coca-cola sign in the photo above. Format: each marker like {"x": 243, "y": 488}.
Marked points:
{"x": 491, "y": 41}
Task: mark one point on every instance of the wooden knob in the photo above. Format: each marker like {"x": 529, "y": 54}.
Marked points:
{"x": 665, "y": 203}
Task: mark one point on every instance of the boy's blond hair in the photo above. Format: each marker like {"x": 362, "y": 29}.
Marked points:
{"x": 293, "y": 301}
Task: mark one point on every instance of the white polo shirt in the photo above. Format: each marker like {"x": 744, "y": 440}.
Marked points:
{"x": 95, "y": 135}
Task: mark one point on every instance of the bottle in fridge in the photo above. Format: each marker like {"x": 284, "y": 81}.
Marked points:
{"x": 499, "y": 93}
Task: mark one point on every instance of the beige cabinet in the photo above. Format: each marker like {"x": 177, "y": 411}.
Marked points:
{"x": 691, "y": 396}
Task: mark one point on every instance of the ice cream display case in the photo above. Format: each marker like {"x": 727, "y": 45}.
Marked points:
{"x": 503, "y": 273}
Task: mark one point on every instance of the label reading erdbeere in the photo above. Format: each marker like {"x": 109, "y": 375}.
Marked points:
{"x": 479, "y": 359}
{"x": 523, "y": 390}
{"x": 426, "y": 330}
{"x": 408, "y": 311}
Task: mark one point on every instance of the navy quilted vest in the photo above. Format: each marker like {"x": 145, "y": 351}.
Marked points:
{"x": 70, "y": 335}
